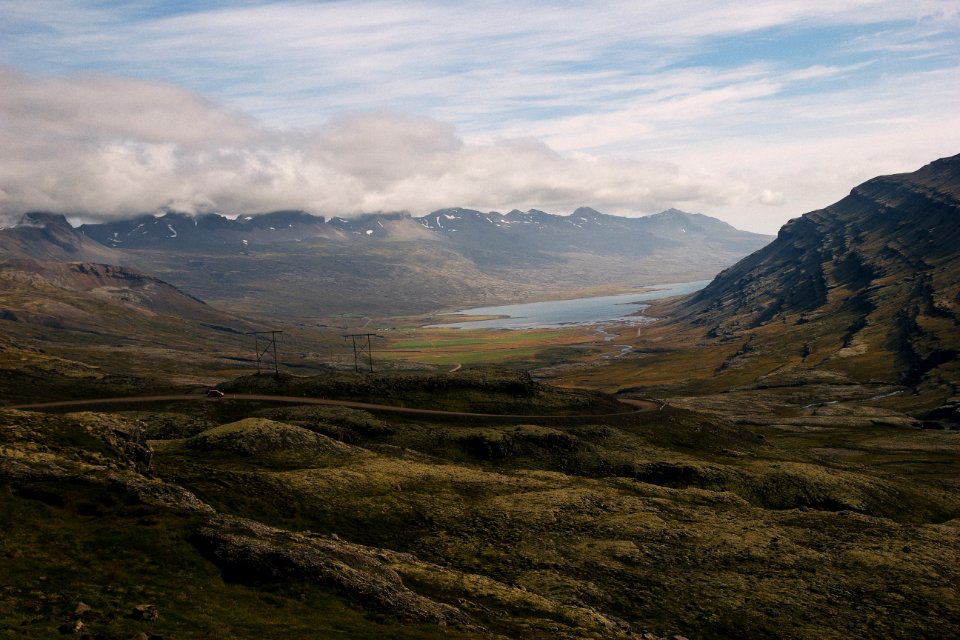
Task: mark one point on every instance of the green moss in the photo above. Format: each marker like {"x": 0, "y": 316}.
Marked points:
{"x": 674, "y": 521}
{"x": 55, "y": 559}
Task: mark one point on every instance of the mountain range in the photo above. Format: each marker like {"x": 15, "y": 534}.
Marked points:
{"x": 868, "y": 287}
{"x": 473, "y": 231}
{"x": 293, "y": 265}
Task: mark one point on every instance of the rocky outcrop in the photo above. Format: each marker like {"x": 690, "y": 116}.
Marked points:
{"x": 252, "y": 553}
{"x": 44, "y": 456}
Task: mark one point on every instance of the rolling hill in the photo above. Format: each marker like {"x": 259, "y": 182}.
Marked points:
{"x": 74, "y": 319}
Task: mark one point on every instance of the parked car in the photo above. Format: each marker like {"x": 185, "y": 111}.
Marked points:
{"x": 214, "y": 393}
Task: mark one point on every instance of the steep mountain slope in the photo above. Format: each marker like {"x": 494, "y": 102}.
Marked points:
{"x": 870, "y": 285}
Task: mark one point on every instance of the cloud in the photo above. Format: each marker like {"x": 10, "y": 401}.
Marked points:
{"x": 477, "y": 66}
{"x": 771, "y": 198}
{"x": 96, "y": 147}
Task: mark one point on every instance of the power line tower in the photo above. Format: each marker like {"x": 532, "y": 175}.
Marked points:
{"x": 271, "y": 343}
{"x": 360, "y": 347}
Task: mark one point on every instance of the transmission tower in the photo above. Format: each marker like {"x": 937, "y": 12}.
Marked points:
{"x": 360, "y": 347}
{"x": 271, "y": 343}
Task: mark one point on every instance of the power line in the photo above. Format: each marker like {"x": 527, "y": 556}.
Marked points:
{"x": 270, "y": 344}
{"x": 359, "y": 348}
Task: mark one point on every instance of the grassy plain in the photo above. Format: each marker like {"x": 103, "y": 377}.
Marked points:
{"x": 521, "y": 348}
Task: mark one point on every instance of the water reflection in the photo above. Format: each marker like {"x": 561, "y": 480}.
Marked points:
{"x": 578, "y": 311}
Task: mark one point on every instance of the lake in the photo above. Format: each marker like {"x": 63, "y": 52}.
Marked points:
{"x": 578, "y": 311}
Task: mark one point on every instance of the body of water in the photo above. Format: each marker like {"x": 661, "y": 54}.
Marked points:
{"x": 578, "y": 311}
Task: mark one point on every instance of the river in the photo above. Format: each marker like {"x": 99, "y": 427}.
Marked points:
{"x": 577, "y": 311}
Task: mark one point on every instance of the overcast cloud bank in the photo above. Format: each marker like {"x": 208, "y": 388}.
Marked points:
{"x": 98, "y": 147}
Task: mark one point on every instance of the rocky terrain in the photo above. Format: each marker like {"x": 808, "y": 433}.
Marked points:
{"x": 882, "y": 263}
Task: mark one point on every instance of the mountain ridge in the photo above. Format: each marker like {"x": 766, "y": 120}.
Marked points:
{"x": 44, "y": 235}
{"x": 216, "y": 229}
{"x": 393, "y": 263}
{"x": 872, "y": 279}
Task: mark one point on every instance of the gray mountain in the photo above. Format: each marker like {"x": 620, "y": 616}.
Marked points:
{"x": 491, "y": 236}
{"x": 49, "y": 236}
{"x": 477, "y": 233}
{"x": 184, "y": 231}
{"x": 388, "y": 263}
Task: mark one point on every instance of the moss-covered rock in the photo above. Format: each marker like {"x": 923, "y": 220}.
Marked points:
{"x": 259, "y": 436}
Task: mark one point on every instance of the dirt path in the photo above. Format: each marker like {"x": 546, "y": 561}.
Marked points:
{"x": 638, "y": 406}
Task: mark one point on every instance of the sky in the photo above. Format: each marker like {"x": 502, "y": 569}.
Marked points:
{"x": 754, "y": 112}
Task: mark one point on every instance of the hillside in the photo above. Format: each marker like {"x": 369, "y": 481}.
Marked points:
{"x": 105, "y": 316}
{"x": 223, "y": 518}
{"x": 874, "y": 278}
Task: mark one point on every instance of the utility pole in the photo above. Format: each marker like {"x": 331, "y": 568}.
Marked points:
{"x": 270, "y": 344}
{"x": 359, "y": 348}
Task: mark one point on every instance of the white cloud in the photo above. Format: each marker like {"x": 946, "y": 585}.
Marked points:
{"x": 771, "y": 198}
{"x": 475, "y": 66}
{"x": 98, "y": 147}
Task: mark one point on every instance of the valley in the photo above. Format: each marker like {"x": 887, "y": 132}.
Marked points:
{"x": 775, "y": 454}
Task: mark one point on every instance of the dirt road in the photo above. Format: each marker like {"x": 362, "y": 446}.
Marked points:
{"x": 637, "y": 406}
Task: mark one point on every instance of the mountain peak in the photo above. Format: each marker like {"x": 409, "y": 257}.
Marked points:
{"x": 42, "y": 235}
{"x": 673, "y": 213}
{"x": 586, "y": 212}
{"x": 42, "y": 220}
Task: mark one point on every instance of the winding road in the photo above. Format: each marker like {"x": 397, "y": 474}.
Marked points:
{"x": 637, "y": 406}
